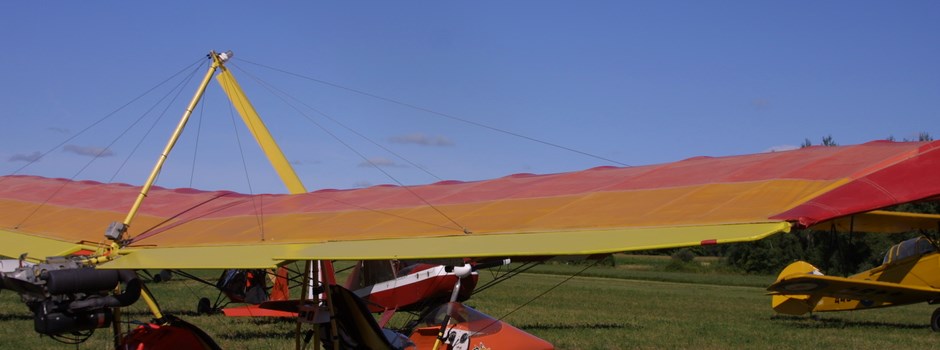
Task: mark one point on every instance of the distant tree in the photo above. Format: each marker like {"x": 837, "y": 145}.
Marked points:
{"x": 833, "y": 253}
{"x": 922, "y": 207}
{"x": 890, "y": 138}
{"x": 921, "y": 137}
{"x": 826, "y": 141}
{"x": 684, "y": 255}
{"x": 766, "y": 256}
{"x": 878, "y": 244}
{"x": 836, "y": 253}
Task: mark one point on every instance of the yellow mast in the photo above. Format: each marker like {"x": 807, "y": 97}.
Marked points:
{"x": 260, "y": 132}
{"x": 252, "y": 121}
{"x": 116, "y": 231}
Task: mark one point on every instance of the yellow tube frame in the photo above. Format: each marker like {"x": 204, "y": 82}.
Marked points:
{"x": 254, "y": 124}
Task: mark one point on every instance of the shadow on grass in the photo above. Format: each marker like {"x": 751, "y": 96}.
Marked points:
{"x": 179, "y": 313}
{"x": 243, "y": 335}
{"x": 547, "y": 326}
{"x": 15, "y": 317}
{"x": 805, "y": 322}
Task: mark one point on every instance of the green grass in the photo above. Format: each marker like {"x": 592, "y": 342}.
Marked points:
{"x": 631, "y": 306}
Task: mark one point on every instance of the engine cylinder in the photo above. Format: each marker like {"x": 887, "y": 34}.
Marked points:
{"x": 50, "y": 319}
{"x": 85, "y": 280}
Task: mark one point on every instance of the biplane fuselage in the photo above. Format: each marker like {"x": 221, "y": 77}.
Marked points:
{"x": 408, "y": 289}
{"x": 910, "y": 273}
{"x": 412, "y": 290}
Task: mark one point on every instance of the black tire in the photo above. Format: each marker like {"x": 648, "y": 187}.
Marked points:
{"x": 204, "y": 307}
{"x": 935, "y": 320}
{"x": 165, "y": 275}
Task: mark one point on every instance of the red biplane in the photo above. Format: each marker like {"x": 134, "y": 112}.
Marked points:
{"x": 386, "y": 286}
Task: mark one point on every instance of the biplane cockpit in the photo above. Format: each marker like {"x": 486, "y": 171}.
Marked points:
{"x": 911, "y": 247}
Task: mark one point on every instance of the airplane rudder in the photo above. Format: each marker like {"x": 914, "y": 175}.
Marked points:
{"x": 798, "y": 267}
{"x": 794, "y": 304}
{"x": 791, "y": 304}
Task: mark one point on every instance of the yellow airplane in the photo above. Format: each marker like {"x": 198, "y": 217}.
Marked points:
{"x": 50, "y": 225}
{"x": 909, "y": 273}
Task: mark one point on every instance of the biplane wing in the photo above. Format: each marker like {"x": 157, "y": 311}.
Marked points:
{"x": 799, "y": 293}
{"x": 698, "y": 201}
{"x": 853, "y": 289}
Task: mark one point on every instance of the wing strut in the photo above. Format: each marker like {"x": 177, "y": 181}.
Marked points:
{"x": 260, "y": 132}
{"x": 117, "y": 230}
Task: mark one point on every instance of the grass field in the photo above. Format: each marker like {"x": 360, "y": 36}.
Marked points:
{"x": 634, "y": 305}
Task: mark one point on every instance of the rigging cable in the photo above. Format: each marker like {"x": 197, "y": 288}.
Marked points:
{"x": 179, "y": 89}
{"x": 507, "y": 275}
{"x": 97, "y": 154}
{"x": 99, "y": 121}
{"x": 440, "y": 114}
{"x": 334, "y": 120}
{"x": 536, "y": 297}
{"x": 259, "y": 208}
{"x": 199, "y": 118}
{"x": 387, "y": 174}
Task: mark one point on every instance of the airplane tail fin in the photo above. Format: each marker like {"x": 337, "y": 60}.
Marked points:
{"x": 795, "y": 304}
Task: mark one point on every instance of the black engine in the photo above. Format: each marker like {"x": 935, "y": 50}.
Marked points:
{"x": 68, "y": 298}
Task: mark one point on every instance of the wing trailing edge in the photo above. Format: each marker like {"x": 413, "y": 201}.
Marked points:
{"x": 456, "y": 246}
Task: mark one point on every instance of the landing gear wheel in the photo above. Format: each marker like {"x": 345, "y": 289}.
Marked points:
{"x": 163, "y": 276}
{"x": 935, "y": 320}
{"x": 204, "y": 307}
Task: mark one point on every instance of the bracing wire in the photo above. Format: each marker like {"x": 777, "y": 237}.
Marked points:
{"x": 440, "y": 114}
{"x": 275, "y": 91}
{"x": 540, "y": 295}
{"x": 179, "y": 90}
{"x": 102, "y": 119}
{"x": 366, "y": 159}
{"x": 259, "y": 213}
{"x": 202, "y": 110}
{"x": 509, "y": 274}
{"x": 98, "y": 154}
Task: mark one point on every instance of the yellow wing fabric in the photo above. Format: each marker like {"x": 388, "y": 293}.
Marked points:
{"x": 35, "y": 248}
{"x": 529, "y": 244}
{"x": 882, "y": 221}
{"x": 692, "y": 202}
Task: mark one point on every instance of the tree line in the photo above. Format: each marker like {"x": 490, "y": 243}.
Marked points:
{"x": 833, "y": 253}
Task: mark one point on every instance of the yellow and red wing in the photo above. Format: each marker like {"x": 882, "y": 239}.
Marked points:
{"x": 609, "y": 209}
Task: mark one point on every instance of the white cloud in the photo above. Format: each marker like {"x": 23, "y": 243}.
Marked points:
{"x": 422, "y": 139}
{"x": 299, "y": 162}
{"x": 362, "y": 184}
{"x": 381, "y": 162}
{"x": 781, "y": 148}
{"x": 90, "y": 151}
{"x": 29, "y": 158}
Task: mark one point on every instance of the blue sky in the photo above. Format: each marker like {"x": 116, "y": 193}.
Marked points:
{"x": 637, "y": 82}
